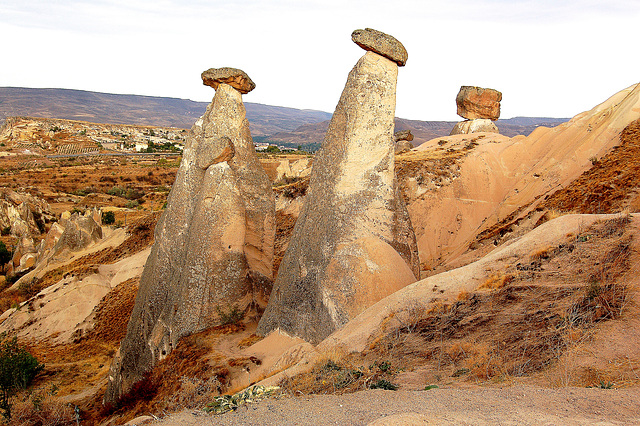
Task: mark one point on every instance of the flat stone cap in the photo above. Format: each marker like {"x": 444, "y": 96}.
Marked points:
{"x": 382, "y": 44}
{"x": 234, "y": 77}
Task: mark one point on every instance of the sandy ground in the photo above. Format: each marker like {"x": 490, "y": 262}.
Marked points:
{"x": 515, "y": 405}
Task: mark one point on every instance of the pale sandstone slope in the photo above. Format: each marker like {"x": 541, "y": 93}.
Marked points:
{"x": 502, "y": 175}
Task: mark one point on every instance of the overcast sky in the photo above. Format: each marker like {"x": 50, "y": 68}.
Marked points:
{"x": 552, "y": 58}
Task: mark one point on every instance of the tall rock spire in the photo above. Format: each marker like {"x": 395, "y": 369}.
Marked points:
{"x": 353, "y": 243}
{"x": 213, "y": 246}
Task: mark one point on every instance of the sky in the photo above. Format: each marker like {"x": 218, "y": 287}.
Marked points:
{"x": 549, "y": 58}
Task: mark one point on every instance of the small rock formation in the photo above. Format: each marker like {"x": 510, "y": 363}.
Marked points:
{"x": 79, "y": 232}
{"x": 382, "y": 44}
{"x": 353, "y": 243}
{"x": 480, "y": 107}
{"x": 23, "y": 214}
{"x": 213, "y": 249}
{"x": 403, "y": 140}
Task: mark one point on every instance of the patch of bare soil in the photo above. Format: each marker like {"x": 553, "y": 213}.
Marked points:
{"x": 521, "y": 405}
{"x": 201, "y": 367}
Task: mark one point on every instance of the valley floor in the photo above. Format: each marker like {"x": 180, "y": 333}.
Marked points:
{"x": 477, "y": 405}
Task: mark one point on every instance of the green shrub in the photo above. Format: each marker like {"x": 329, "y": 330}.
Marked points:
{"x": 17, "y": 369}
{"x": 5, "y": 254}
{"x": 116, "y": 191}
{"x": 232, "y": 316}
{"x": 132, "y": 204}
{"x": 383, "y": 384}
{"x": 108, "y": 218}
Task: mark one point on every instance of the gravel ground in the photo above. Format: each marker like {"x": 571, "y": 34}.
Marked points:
{"x": 515, "y": 405}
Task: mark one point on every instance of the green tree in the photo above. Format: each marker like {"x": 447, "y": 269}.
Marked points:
{"x": 17, "y": 369}
{"x": 108, "y": 218}
{"x": 5, "y": 255}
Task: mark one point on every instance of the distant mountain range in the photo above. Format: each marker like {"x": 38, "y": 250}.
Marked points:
{"x": 139, "y": 110}
{"x": 279, "y": 125}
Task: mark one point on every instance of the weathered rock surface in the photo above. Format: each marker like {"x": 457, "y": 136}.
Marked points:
{"x": 475, "y": 102}
{"x": 353, "y": 243}
{"x": 25, "y": 246}
{"x": 234, "y": 77}
{"x": 474, "y": 126}
{"x": 213, "y": 247}
{"x": 293, "y": 169}
{"x": 79, "y": 232}
{"x": 382, "y": 44}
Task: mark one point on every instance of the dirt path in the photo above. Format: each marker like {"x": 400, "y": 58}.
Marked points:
{"x": 515, "y": 405}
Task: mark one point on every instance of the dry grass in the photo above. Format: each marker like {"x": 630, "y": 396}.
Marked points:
{"x": 340, "y": 373}
{"x": 495, "y": 281}
{"x": 40, "y": 408}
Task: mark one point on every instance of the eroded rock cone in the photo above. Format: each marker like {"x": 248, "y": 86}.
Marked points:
{"x": 213, "y": 247}
{"x": 353, "y": 243}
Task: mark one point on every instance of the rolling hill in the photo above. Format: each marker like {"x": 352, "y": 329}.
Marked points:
{"x": 274, "y": 124}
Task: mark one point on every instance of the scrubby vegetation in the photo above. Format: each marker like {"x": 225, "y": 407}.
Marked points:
{"x": 17, "y": 369}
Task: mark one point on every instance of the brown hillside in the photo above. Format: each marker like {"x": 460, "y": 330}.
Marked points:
{"x": 610, "y": 186}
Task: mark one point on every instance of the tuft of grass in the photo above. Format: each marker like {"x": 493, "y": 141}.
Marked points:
{"x": 383, "y": 384}
{"x": 497, "y": 280}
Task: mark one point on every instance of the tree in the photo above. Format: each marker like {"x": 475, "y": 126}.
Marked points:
{"x": 5, "y": 255}
{"x": 108, "y": 218}
{"x": 17, "y": 369}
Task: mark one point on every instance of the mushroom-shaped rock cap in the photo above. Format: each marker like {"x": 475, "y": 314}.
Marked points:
{"x": 382, "y": 44}
{"x": 234, "y": 77}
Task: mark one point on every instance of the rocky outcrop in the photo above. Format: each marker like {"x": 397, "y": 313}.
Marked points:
{"x": 475, "y": 102}
{"x": 79, "y": 232}
{"x": 474, "y": 126}
{"x": 213, "y": 247}
{"x": 23, "y": 214}
{"x": 353, "y": 243}
{"x": 382, "y": 44}
{"x": 480, "y": 107}
{"x": 403, "y": 140}
{"x": 293, "y": 169}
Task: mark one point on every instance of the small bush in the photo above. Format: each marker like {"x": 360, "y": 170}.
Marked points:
{"x": 108, "y": 218}
{"x": 232, "y": 316}
{"x": 116, "y": 191}
{"x": 383, "y": 384}
{"x": 5, "y": 254}
{"x": 132, "y": 204}
{"x": 17, "y": 369}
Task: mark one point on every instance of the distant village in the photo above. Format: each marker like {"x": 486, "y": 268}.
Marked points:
{"x": 72, "y": 137}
